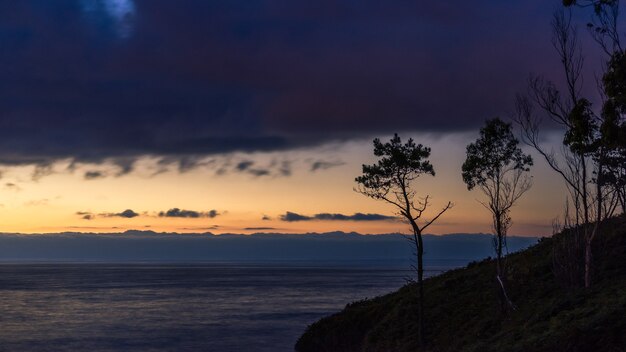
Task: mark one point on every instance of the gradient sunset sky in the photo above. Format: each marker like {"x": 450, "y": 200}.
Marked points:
{"x": 255, "y": 116}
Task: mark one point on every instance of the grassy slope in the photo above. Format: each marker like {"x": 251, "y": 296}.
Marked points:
{"x": 462, "y": 311}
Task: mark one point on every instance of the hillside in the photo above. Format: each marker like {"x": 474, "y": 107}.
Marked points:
{"x": 462, "y": 311}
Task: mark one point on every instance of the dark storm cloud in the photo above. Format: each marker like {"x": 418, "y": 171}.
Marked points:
{"x": 259, "y": 172}
{"x": 182, "y": 79}
{"x": 41, "y": 170}
{"x": 182, "y": 213}
{"x": 172, "y": 213}
{"x": 124, "y": 165}
{"x": 291, "y": 217}
{"x": 244, "y": 165}
{"x": 128, "y": 213}
{"x": 355, "y": 217}
{"x": 87, "y": 215}
{"x": 274, "y": 168}
{"x": 325, "y": 165}
{"x": 92, "y": 175}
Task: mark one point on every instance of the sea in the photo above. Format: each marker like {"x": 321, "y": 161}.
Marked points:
{"x": 218, "y": 307}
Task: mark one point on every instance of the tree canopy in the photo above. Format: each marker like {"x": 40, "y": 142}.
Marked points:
{"x": 495, "y": 153}
{"x": 391, "y": 175}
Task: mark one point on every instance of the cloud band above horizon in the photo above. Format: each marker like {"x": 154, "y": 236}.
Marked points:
{"x": 185, "y": 79}
{"x": 291, "y": 217}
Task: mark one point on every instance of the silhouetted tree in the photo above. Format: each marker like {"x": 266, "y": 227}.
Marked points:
{"x": 567, "y": 110}
{"x": 497, "y": 166}
{"x": 613, "y": 126}
{"x": 603, "y": 25}
{"x": 610, "y": 148}
{"x": 592, "y": 158}
{"x": 391, "y": 180}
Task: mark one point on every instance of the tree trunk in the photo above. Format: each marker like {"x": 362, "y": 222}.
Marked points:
{"x": 419, "y": 253}
{"x": 596, "y": 227}
{"x": 499, "y": 244}
{"x": 505, "y": 302}
{"x": 584, "y": 194}
{"x": 420, "y": 280}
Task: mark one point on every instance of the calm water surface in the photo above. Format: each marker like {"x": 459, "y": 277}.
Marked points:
{"x": 212, "y": 307}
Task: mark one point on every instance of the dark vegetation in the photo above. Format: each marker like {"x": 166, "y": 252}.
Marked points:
{"x": 568, "y": 293}
{"x": 463, "y": 313}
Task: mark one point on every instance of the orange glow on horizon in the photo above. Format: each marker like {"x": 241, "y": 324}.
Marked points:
{"x": 242, "y": 201}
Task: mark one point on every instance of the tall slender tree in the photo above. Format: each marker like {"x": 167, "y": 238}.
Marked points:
{"x": 497, "y": 166}
{"x": 391, "y": 180}
{"x": 594, "y": 143}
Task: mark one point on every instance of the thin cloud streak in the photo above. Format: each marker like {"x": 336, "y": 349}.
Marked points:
{"x": 183, "y": 213}
{"x": 293, "y": 217}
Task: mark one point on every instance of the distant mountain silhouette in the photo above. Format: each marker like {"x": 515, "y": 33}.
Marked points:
{"x": 336, "y": 247}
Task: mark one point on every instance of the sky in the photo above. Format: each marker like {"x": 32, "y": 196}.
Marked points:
{"x": 256, "y": 116}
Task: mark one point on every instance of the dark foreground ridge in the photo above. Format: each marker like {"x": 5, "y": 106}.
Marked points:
{"x": 463, "y": 313}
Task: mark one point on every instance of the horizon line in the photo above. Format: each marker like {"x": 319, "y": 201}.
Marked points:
{"x": 208, "y": 233}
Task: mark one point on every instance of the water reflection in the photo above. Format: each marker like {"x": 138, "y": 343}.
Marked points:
{"x": 222, "y": 308}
